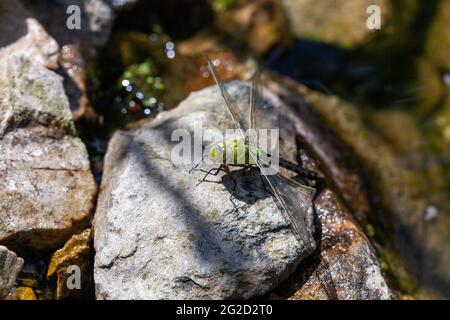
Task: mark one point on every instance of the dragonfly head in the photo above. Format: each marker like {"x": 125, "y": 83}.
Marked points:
{"x": 216, "y": 152}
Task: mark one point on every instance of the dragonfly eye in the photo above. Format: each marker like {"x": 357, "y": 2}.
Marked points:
{"x": 216, "y": 151}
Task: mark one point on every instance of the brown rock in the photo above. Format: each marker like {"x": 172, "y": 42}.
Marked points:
{"x": 344, "y": 267}
{"x": 260, "y": 24}
{"x": 25, "y": 293}
{"x": 340, "y": 22}
{"x": 348, "y": 267}
{"x": 76, "y": 252}
{"x": 408, "y": 186}
{"x": 46, "y": 187}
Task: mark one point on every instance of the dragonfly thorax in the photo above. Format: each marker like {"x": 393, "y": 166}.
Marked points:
{"x": 232, "y": 152}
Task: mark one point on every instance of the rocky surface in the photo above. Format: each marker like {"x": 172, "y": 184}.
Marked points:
{"x": 77, "y": 47}
{"x": 23, "y": 35}
{"x": 434, "y": 77}
{"x": 38, "y": 31}
{"x": 150, "y": 209}
{"x": 46, "y": 187}
{"x": 10, "y": 266}
{"x": 22, "y": 293}
{"x": 260, "y": 24}
{"x": 76, "y": 252}
{"x": 409, "y": 183}
{"x": 347, "y": 267}
{"x": 339, "y": 22}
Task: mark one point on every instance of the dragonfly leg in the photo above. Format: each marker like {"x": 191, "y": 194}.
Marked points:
{"x": 233, "y": 192}
{"x": 194, "y": 168}
{"x": 211, "y": 172}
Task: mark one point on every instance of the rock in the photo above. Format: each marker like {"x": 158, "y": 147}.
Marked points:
{"x": 22, "y": 35}
{"x": 23, "y": 293}
{"x": 76, "y": 252}
{"x": 47, "y": 191}
{"x": 339, "y": 22}
{"x": 10, "y": 266}
{"x": 433, "y": 66}
{"x": 406, "y": 183}
{"x": 259, "y": 24}
{"x": 78, "y": 47}
{"x": 345, "y": 266}
{"x": 348, "y": 267}
{"x": 74, "y": 73}
{"x": 149, "y": 209}
{"x": 32, "y": 96}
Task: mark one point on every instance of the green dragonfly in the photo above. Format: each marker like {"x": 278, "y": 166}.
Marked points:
{"x": 292, "y": 198}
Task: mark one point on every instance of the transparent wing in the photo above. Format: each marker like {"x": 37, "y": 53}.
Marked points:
{"x": 293, "y": 198}
{"x": 256, "y": 99}
{"x": 233, "y": 110}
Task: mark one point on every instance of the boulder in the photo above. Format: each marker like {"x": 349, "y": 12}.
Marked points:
{"x": 409, "y": 189}
{"x": 76, "y": 252}
{"x": 338, "y": 22}
{"x": 348, "y": 268}
{"x": 22, "y": 293}
{"x": 47, "y": 190}
{"x": 159, "y": 236}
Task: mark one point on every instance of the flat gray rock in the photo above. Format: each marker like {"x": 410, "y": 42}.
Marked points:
{"x": 158, "y": 236}
{"x": 10, "y": 266}
{"x": 46, "y": 186}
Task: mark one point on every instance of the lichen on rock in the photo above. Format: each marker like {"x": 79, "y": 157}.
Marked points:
{"x": 46, "y": 187}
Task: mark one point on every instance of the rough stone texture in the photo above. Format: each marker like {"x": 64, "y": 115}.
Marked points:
{"x": 157, "y": 236}
{"x": 49, "y": 41}
{"x": 340, "y": 22}
{"x": 76, "y": 252}
{"x": 409, "y": 184}
{"x": 260, "y": 24}
{"x": 46, "y": 187}
{"x": 348, "y": 267}
{"x": 22, "y": 35}
{"x": 32, "y": 96}
{"x": 22, "y": 293}
{"x": 10, "y": 266}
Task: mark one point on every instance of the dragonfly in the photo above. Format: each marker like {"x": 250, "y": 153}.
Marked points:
{"x": 292, "y": 198}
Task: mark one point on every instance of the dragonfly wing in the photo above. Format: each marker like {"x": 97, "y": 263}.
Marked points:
{"x": 294, "y": 200}
{"x": 256, "y": 99}
{"x": 232, "y": 108}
